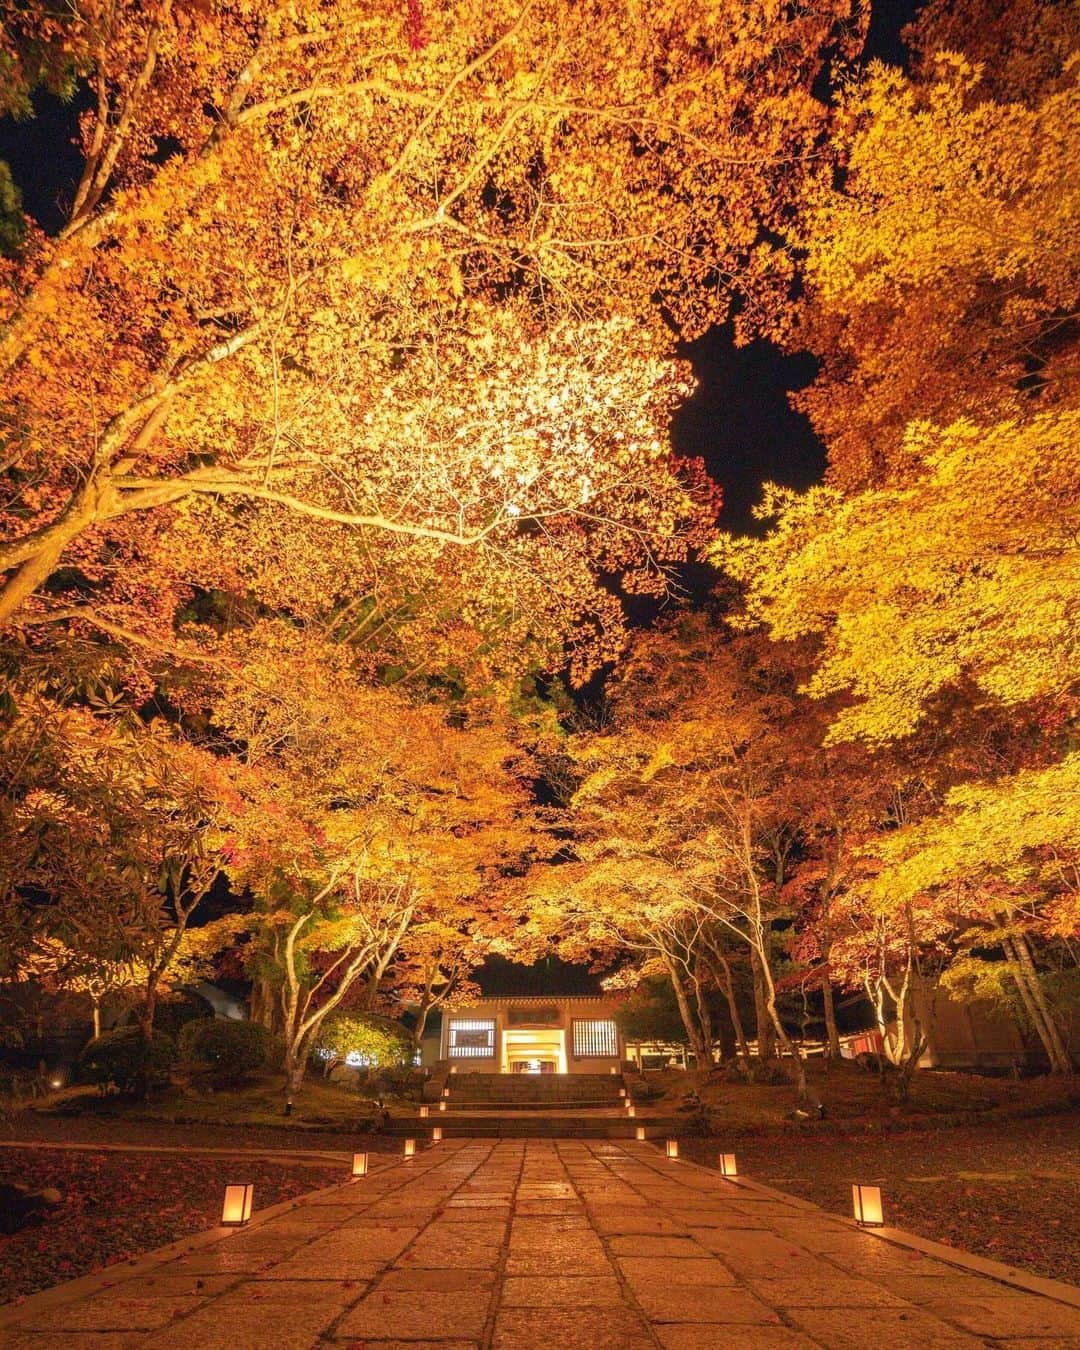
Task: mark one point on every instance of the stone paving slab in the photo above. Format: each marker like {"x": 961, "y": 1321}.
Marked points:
{"x": 523, "y": 1244}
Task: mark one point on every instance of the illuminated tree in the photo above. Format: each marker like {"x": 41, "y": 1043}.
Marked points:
{"x": 363, "y": 814}
{"x": 940, "y": 278}
{"x": 109, "y": 848}
{"x": 359, "y": 315}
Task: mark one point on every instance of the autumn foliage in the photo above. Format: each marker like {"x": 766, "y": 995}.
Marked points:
{"x": 334, "y": 449}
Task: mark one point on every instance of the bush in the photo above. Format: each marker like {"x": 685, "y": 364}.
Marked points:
{"x": 232, "y": 1050}
{"x": 375, "y": 1042}
{"x": 124, "y": 1060}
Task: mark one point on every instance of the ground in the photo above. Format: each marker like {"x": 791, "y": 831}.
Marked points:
{"x": 1007, "y": 1191}
{"x": 518, "y": 1245}
{"x": 1008, "y": 1187}
{"x": 854, "y": 1098}
{"x": 118, "y": 1205}
{"x": 320, "y": 1105}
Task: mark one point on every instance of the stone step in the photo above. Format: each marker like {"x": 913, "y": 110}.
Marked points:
{"x": 500, "y": 1104}
{"x": 527, "y": 1127}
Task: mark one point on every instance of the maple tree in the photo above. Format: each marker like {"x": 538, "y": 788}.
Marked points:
{"x": 685, "y": 822}
{"x": 937, "y": 565}
{"x": 108, "y": 850}
{"x": 367, "y": 273}
{"x": 57, "y": 967}
{"x": 362, "y": 814}
{"x": 940, "y": 279}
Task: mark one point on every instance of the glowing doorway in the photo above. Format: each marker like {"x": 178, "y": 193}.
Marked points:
{"x": 534, "y": 1051}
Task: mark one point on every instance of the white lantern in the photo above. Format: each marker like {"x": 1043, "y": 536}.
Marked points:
{"x": 673, "y": 1148}
{"x": 359, "y": 1164}
{"x": 436, "y": 1135}
{"x": 639, "y": 1133}
{"x": 727, "y": 1165}
{"x": 442, "y": 1106}
{"x": 236, "y": 1209}
{"x": 867, "y": 1204}
{"x": 423, "y": 1112}
{"x": 410, "y": 1148}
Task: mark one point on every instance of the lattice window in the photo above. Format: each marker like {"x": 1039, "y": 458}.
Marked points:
{"x": 471, "y": 1039}
{"x": 593, "y": 1040}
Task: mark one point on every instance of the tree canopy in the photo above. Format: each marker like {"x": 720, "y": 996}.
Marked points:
{"x": 338, "y": 502}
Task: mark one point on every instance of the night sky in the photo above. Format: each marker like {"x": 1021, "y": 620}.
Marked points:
{"x": 739, "y": 419}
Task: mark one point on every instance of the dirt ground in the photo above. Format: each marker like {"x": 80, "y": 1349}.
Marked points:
{"x": 117, "y": 1205}
{"x": 1009, "y": 1190}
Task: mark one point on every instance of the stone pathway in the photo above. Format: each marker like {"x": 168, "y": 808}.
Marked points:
{"x": 518, "y": 1244}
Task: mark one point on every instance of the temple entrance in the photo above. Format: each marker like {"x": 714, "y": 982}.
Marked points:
{"x": 534, "y": 1051}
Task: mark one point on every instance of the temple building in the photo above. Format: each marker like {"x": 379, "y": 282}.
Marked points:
{"x": 568, "y": 1033}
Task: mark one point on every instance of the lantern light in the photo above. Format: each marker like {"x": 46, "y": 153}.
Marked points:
{"x": 631, "y": 1110}
{"x": 727, "y": 1165}
{"x": 639, "y": 1133}
{"x": 867, "y": 1204}
{"x": 236, "y": 1209}
{"x": 673, "y": 1148}
{"x": 614, "y": 1069}
{"x": 359, "y": 1164}
{"x": 622, "y": 1092}
{"x": 410, "y": 1147}
{"x": 436, "y": 1135}
{"x": 423, "y": 1112}
{"x": 442, "y": 1106}
{"x": 446, "y": 1092}
{"x": 453, "y": 1068}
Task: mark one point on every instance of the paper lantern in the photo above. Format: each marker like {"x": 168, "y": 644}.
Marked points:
{"x": 237, "y": 1207}
{"x": 639, "y": 1133}
{"x": 453, "y": 1068}
{"x": 436, "y": 1135}
{"x": 359, "y": 1164}
{"x": 614, "y": 1069}
{"x": 410, "y": 1147}
{"x": 442, "y": 1106}
{"x": 423, "y": 1112}
{"x": 446, "y": 1092}
{"x": 867, "y": 1204}
{"x": 673, "y": 1148}
{"x": 622, "y": 1092}
{"x": 631, "y": 1110}
{"x": 727, "y": 1165}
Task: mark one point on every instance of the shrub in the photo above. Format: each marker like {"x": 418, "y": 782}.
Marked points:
{"x": 188, "y": 1032}
{"x": 126, "y": 1061}
{"x": 230, "y": 1049}
{"x": 376, "y": 1042}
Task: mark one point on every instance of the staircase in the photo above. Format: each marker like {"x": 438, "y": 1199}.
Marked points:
{"x": 547, "y": 1106}
{"x": 534, "y": 1091}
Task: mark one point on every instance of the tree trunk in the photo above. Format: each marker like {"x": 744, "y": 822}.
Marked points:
{"x": 421, "y": 1025}
{"x": 702, "y": 1052}
{"x": 1027, "y": 980}
{"x": 96, "y": 1010}
{"x": 766, "y": 1044}
{"x": 733, "y": 1010}
{"x": 294, "y": 1070}
{"x": 784, "y": 1040}
{"x": 263, "y": 1005}
{"x": 704, "y": 1017}
{"x": 832, "y": 1035}
{"x": 1033, "y": 1014}
{"x": 1061, "y": 1054}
